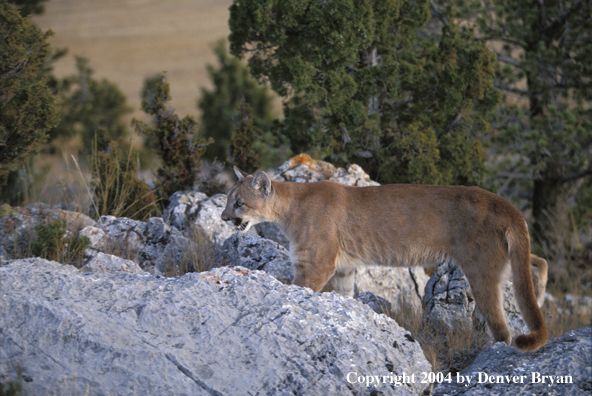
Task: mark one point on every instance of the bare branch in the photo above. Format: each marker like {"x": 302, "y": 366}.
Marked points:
{"x": 438, "y": 14}
{"x": 550, "y": 30}
{"x": 514, "y": 175}
{"x": 508, "y": 59}
{"x": 511, "y": 89}
{"x": 576, "y": 176}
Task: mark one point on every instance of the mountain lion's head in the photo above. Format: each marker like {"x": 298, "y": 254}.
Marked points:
{"x": 247, "y": 199}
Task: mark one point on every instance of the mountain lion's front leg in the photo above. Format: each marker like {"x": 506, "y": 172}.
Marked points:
{"x": 314, "y": 266}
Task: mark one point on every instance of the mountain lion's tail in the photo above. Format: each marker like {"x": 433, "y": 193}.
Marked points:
{"x": 519, "y": 251}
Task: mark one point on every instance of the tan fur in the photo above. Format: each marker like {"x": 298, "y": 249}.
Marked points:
{"x": 538, "y": 269}
{"x": 333, "y": 228}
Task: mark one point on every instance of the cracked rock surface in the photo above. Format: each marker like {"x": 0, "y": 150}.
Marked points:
{"x": 253, "y": 252}
{"x": 230, "y": 331}
{"x": 450, "y": 303}
{"x": 566, "y": 359}
{"x": 398, "y": 285}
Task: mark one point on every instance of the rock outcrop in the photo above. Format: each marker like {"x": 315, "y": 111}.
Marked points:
{"x": 450, "y": 304}
{"x": 401, "y": 286}
{"x": 256, "y": 253}
{"x": 448, "y": 299}
{"x": 561, "y": 367}
{"x": 230, "y": 331}
{"x": 189, "y": 210}
{"x": 17, "y": 227}
{"x": 303, "y": 169}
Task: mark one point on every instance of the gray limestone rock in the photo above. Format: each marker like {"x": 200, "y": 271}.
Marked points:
{"x": 17, "y": 230}
{"x": 272, "y": 231}
{"x": 124, "y": 237}
{"x": 95, "y": 235}
{"x": 182, "y": 206}
{"x": 303, "y": 169}
{"x": 253, "y": 252}
{"x": 154, "y": 245}
{"x": 399, "y": 285}
{"x": 378, "y": 304}
{"x": 174, "y": 256}
{"x": 193, "y": 210}
{"x": 578, "y": 305}
{"x": 448, "y": 299}
{"x": 450, "y": 304}
{"x": 354, "y": 175}
{"x": 227, "y": 332}
{"x": 567, "y": 358}
{"x": 102, "y": 262}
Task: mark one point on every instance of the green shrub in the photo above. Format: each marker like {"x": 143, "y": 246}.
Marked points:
{"x": 175, "y": 141}
{"x": 54, "y": 242}
{"x": 11, "y": 388}
{"x": 27, "y": 106}
{"x": 231, "y": 84}
{"x": 241, "y": 151}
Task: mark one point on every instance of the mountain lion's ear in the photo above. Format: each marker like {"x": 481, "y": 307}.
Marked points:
{"x": 261, "y": 183}
{"x": 240, "y": 174}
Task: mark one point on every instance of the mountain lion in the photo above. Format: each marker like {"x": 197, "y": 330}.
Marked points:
{"x": 332, "y": 228}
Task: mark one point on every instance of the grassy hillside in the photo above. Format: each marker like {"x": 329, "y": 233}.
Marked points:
{"x": 128, "y": 40}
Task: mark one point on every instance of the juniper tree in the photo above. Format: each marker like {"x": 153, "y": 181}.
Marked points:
{"x": 543, "y": 130}
{"x": 360, "y": 85}
{"x": 29, "y": 7}
{"x": 27, "y": 106}
{"x": 231, "y": 82}
{"x": 88, "y": 104}
{"x": 241, "y": 151}
{"x": 175, "y": 141}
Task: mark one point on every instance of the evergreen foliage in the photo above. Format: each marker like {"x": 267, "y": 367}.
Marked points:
{"x": 542, "y": 136}
{"x": 360, "y": 85}
{"x": 27, "y": 106}
{"x": 54, "y": 242}
{"x": 175, "y": 141}
{"x": 231, "y": 81}
{"x": 29, "y": 7}
{"x": 150, "y": 86}
{"x": 88, "y": 104}
{"x": 242, "y": 153}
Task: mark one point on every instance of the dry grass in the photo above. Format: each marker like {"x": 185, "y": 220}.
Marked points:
{"x": 199, "y": 254}
{"x": 445, "y": 350}
{"x": 55, "y": 179}
{"x": 449, "y": 351}
{"x": 568, "y": 252}
{"x": 560, "y": 318}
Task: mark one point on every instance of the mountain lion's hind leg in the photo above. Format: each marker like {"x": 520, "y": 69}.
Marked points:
{"x": 488, "y": 298}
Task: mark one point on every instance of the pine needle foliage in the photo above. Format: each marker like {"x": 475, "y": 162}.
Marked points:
{"x": 27, "y": 106}
{"x": 174, "y": 140}
{"x": 241, "y": 151}
{"x": 360, "y": 85}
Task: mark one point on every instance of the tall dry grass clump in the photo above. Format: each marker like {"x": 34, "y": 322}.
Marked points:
{"x": 198, "y": 254}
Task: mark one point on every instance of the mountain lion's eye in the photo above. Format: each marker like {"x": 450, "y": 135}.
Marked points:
{"x": 238, "y": 204}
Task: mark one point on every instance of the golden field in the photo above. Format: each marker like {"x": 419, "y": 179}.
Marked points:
{"x": 129, "y": 40}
